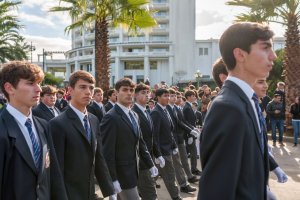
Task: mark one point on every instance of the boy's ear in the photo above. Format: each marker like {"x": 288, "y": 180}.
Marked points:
{"x": 239, "y": 54}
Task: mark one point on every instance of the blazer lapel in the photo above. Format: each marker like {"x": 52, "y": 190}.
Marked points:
{"x": 125, "y": 118}
{"x": 94, "y": 129}
{"x": 46, "y": 110}
{"x": 142, "y": 116}
{"x": 77, "y": 123}
{"x": 44, "y": 147}
{"x": 21, "y": 144}
{"x": 250, "y": 110}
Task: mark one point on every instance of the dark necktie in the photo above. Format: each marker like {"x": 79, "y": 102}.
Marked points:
{"x": 261, "y": 119}
{"x": 133, "y": 123}
{"x": 52, "y": 111}
{"x": 169, "y": 117}
{"x": 35, "y": 144}
{"x": 87, "y": 128}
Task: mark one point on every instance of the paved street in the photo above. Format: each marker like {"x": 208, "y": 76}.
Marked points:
{"x": 288, "y": 158}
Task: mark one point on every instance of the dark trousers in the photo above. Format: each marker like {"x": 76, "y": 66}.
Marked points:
{"x": 146, "y": 185}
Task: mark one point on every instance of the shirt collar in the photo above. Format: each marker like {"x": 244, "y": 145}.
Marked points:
{"x": 80, "y": 114}
{"x": 172, "y": 106}
{"x": 126, "y": 110}
{"x": 99, "y": 104}
{"x": 20, "y": 117}
{"x": 163, "y": 107}
{"x": 246, "y": 88}
{"x": 142, "y": 108}
{"x": 111, "y": 102}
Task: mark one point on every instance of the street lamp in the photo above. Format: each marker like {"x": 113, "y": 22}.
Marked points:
{"x": 32, "y": 48}
{"x": 198, "y": 76}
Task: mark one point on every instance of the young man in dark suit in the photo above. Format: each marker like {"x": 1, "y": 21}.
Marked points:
{"x": 163, "y": 135}
{"x": 123, "y": 143}
{"x": 233, "y": 150}
{"x": 96, "y": 107}
{"x": 28, "y": 164}
{"x": 60, "y": 103}
{"x": 179, "y": 172}
{"x": 191, "y": 119}
{"x": 112, "y": 98}
{"x": 146, "y": 183}
{"x": 46, "y": 109}
{"x": 77, "y": 142}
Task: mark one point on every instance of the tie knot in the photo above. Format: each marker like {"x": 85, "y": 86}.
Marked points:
{"x": 255, "y": 98}
{"x": 85, "y": 118}
{"x": 28, "y": 123}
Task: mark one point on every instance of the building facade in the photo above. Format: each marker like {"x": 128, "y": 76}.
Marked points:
{"x": 164, "y": 53}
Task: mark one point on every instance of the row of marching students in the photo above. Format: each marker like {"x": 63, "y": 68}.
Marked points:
{"x": 48, "y": 154}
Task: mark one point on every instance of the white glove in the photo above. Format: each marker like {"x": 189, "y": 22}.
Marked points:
{"x": 113, "y": 197}
{"x": 190, "y": 140}
{"x": 153, "y": 171}
{"x": 194, "y": 133}
{"x": 281, "y": 176}
{"x": 175, "y": 151}
{"x": 161, "y": 161}
{"x": 117, "y": 187}
{"x": 270, "y": 195}
{"x": 270, "y": 150}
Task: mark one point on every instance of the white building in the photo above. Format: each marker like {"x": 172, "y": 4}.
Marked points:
{"x": 164, "y": 53}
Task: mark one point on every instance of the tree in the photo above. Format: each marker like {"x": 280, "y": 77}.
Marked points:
{"x": 12, "y": 45}
{"x": 52, "y": 80}
{"x": 104, "y": 13}
{"x": 286, "y": 13}
{"x": 276, "y": 73}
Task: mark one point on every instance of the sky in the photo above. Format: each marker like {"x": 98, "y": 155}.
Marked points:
{"x": 46, "y": 30}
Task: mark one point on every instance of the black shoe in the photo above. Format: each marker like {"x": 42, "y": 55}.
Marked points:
{"x": 295, "y": 145}
{"x": 197, "y": 172}
{"x": 281, "y": 144}
{"x": 187, "y": 189}
{"x": 96, "y": 197}
{"x": 177, "y": 198}
{"x": 194, "y": 179}
{"x": 157, "y": 185}
{"x": 274, "y": 144}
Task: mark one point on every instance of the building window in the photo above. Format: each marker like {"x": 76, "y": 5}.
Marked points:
{"x": 128, "y": 76}
{"x": 203, "y": 51}
{"x": 134, "y": 65}
{"x": 153, "y": 65}
{"x": 89, "y": 67}
{"x": 139, "y": 78}
{"x": 81, "y": 67}
{"x": 159, "y": 38}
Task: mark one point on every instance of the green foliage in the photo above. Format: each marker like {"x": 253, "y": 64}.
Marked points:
{"x": 52, "y": 80}
{"x": 276, "y": 72}
{"x": 12, "y": 45}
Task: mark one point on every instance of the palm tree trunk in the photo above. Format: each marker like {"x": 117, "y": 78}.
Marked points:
{"x": 292, "y": 62}
{"x": 102, "y": 54}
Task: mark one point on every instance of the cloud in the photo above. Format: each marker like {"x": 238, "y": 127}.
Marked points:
{"x": 206, "y": 17}
{"x": 48, "y": 44}
{"x": 36, "y": 19}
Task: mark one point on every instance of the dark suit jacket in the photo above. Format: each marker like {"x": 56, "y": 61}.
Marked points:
{"x": 108, "y": 106}
{"x": 96, "y": 110}
{"x": 163, "y": 132}
{"x": 79, "y": 160}
{"x": 183, "y": 129}
{"x": 19, "y": 177}
{"x": 42, "y": 111}
{"x": 61, "y": 105}
{"x": 189, "y": 115}
{"x": 147, "y": 131}
{"x": 234, "y": 165}
{"x": 122, "y": 148}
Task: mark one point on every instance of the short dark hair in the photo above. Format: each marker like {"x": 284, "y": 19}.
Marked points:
{"x": 80, "y": 75}
{"x": 124, "y": 82}
{"x": 241, "y": 35}
{"x": 151, "y": 101}
{"x": 140, "y": 87}
{"x": 277, "y": 95}
{"x": 219, "y": 67}
{"x": 60, "y": 91}
{"x": 48, "y": 89}
{"x": 110, "y": 92}
{"x": 159, "y": 92}
{"x": 178, "y": 93}
{"x": 13, "y": 71}
{"x": 189, "y": 93}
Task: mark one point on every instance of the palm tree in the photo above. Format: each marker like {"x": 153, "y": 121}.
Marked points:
{"x": 286, "y": 13}
{"x": 12, "y": 45}
{"x": 104, "y": 13}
